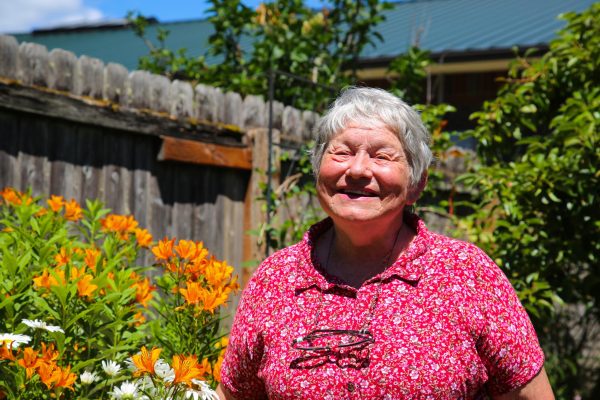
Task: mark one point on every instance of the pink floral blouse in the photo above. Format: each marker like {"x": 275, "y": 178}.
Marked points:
{"x": 446, "y": 325}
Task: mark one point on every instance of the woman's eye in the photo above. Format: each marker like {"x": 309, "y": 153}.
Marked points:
{"x": 341, "y": 153}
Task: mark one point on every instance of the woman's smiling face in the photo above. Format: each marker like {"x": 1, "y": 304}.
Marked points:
{"x": 365, "y": 176}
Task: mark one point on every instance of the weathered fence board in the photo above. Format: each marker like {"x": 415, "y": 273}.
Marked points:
{"x": 122, "y": 169}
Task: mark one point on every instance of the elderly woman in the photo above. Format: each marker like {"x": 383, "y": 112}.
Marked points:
{"x": 370, "y": 304}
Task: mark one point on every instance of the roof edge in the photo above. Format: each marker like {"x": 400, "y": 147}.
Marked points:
{"x": 463, "y": 56}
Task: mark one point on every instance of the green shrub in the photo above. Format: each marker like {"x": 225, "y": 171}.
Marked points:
{"x": 76, "y": 306}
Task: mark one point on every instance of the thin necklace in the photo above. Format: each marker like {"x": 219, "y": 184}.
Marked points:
{"x": 374, "y": 300}
{"x": 384, "y": 261}
{"x": 383, "y": 265}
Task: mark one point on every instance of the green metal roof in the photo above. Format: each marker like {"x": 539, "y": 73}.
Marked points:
{"x": 441, "y": 26}
{"x": 471, "y": 25}
{"x": 120, "y": 45}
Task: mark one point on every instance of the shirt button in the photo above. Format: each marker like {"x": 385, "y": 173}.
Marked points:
{"x": 351, "y": 387}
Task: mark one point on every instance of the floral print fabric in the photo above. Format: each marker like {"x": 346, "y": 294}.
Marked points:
{"x": 446, "y": 325}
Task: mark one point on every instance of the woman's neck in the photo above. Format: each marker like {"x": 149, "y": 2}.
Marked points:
{"x": 356, "y": 255}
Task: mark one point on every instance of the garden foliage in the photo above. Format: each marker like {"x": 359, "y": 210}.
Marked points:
{"x": 536, "y": 210}
{"x": 81, "y": 319}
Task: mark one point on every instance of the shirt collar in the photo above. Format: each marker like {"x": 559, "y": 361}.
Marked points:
{"x": 407, "y": 267}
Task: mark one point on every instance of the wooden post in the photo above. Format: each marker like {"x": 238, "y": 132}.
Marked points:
{"x": 181, "y": 96}
{"x": 139, "y": 90}
{"x": 291, "y": 121}
{"x": 159, "y": 93}
{"x": 208, "y": 102}
{"x": 61, "y": 71}
{"x": 115, "y": 83}
{"x": 89, "y": 77}
{"x": 254, "y": 113}
{"x": 254, "y": 210}
{"x": 32, "y": 64}
{"x": 309, "y": 120}
{"x": 233, "y": 109}
{"x": 9, "y": 53}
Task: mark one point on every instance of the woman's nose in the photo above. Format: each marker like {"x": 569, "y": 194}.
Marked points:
{"x": 360, "y": 166}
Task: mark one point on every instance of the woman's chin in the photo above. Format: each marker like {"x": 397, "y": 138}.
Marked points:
{"x": 362, "y": 215}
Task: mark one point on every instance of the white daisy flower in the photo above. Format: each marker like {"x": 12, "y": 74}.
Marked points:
{"x": 38, "y": 324}
{"x": 87, "y": 378}
{"x": 130, "y": 365}
{"x": 13, "y": 339}
{"x": 202, "y": 392}
{"x": 111, "y": 368}
{"x": 146, "y": 384}
{"x": 164, "y": 370}
{"x": 127, "y": 391}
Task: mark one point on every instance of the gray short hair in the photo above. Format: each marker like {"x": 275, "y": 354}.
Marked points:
{"x": 365, "y": 105}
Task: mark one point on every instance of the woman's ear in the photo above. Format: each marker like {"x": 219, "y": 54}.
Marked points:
{"x": 415, "y": 192}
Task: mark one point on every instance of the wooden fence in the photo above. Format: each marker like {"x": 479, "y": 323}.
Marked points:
{"x": 183, "y": 160}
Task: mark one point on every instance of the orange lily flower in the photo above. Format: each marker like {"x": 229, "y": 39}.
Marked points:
{"x": 49, "y": 355}
{"x": 186, "y": 249}
{"x": 49, "y": 373}
{"x": 164, "y": 249}
{"x": 129, "y": 223}
{"x": 6, "y": 352}
{"x": 73, "y": 210}
{"x": 143, "y": 237}
{"x": 43, "y": 211}
{"x": 10, "y": 196}
{"x": 196, "y": 268}
{"x": 194, "y": 292}
{"x": 45, "y": 280}
{"x": 139, "y": 318}
{"x": 14, "y": 197}
{"x": 143, "y": 291}
{"x": 84, "y": 287}
{"x": 218, "y": 272}
{"x": 77, "y": 273}
{"x": 222, "y": 343}
{"x": 65, "y": 378}
{"x": 91, "y": 258}
{"x": 213, "y": 299}
{"x": 216, "y": 373}
{"x": 120, "y": 224}
{"x": 56, "y": 203}
{"x": 63, "y": 257}
{"x": 30, "y": 361}
{"x": 145, "y": 361}
{"x": 233, "y": 284}
{"x": 60, "y": 274}
{"x": 205, "y": 366}
{"x": 201, "y": 253}
{"x": 186, "y": 369}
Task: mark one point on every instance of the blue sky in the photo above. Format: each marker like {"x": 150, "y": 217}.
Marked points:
{"x": 17, "y": 16}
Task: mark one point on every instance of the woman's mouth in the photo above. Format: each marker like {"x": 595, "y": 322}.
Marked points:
{"x": 357, "y": 193}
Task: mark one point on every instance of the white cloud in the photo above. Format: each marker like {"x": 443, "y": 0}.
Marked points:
{"x": 25, "y": 15}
